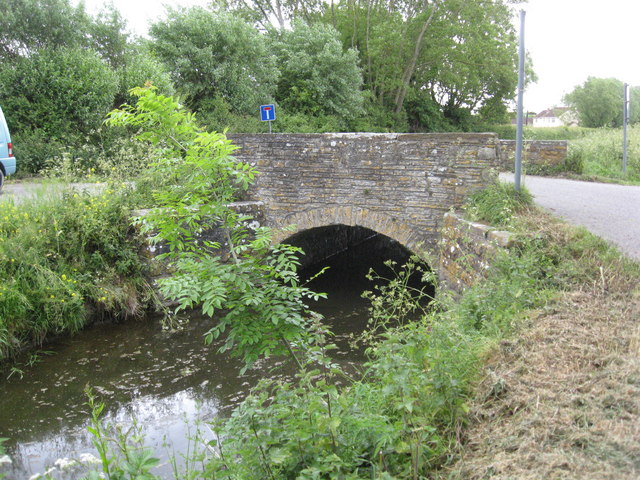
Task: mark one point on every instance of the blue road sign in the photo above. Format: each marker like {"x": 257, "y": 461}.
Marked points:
{"x": 267, "y": 113}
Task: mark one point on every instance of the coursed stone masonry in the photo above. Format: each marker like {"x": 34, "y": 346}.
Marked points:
{"x": 467, "y": 250}
{"x": 400, "y": 185}
{"x": 538, "y": 155}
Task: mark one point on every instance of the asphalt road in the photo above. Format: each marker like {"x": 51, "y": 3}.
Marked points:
{"x": 22, "y": 191}
{"x": 610, "y": 211}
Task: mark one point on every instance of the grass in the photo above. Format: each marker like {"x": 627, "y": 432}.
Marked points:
{"x": 601, "y": 152}
{"x": 65, "y": 260}
{"x": 559, "y": 399}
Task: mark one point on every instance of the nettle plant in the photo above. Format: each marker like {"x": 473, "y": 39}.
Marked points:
{"x": 256, "y": 298}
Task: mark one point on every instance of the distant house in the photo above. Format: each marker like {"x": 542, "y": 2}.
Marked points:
{"x": 555, "y": 117}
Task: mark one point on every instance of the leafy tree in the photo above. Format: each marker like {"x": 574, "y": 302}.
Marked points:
{"x": 462, "y": 53}
{"x": 258, "y": 291}
{"x": 108, "y": 36}
{"x": 140, "y": 68}
{"x": 317, "y": 75}
{"x": 60, "y": 92}
{"x": 598, "y": 102}
{"x": 269, "y": 14}
{"x": 29, "y": 25}
{"x": 214, "y": 54}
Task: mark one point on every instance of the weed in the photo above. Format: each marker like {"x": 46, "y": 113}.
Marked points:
{"x": 497, "y": 204}
{"x": 64, "y": 260}
{"x": 600, "y": 154}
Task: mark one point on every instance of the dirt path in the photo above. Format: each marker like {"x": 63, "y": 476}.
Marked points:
{"x": 607, "y": 210}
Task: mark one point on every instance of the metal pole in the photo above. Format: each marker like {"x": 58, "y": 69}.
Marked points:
{"x": 625, "y": 123}
{"x": 518, "y": 166}
{"x": 269, "y": 126}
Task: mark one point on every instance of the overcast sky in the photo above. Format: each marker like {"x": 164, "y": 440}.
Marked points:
{"x": 567, "y": 40}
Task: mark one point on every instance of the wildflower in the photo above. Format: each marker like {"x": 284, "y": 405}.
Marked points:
{"x": 88, "y": 458}
{"x": 64, "y": 463}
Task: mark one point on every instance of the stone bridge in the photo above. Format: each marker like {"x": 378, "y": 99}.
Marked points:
{"x": 399, "y": 185}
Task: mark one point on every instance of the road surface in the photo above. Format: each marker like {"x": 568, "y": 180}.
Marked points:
{"x": 610, "y": 211}
{"x": 22, "y": 191}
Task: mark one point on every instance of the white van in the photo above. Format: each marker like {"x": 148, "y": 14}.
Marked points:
{"x": 7, "y": 160}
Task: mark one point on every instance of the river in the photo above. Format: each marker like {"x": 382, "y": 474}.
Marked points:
{"x": 165, "y": 380}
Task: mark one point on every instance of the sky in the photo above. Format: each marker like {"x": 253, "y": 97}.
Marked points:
{"x": 567, "y": 41}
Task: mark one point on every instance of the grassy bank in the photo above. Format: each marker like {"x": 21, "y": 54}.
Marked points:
{"x": 65, "y": 260}
{"x": 600, "y": 154}
{"x": 560, "y": 398}
{"x": 436, "y": 388}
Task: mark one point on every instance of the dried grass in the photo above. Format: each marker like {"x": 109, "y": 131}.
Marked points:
{"x": 562, "y": 400}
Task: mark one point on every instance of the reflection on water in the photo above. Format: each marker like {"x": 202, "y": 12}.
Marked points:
{"x": 164, "y": 379}
{"x": 139, "y": 371}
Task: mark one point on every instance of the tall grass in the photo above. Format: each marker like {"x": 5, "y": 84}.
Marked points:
{"x": 63, "y": 260}
{"x": 508, "y": 132}
{"x": 601, "y": 152}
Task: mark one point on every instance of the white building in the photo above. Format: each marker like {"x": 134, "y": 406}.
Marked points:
{"x": 555, "y": 117}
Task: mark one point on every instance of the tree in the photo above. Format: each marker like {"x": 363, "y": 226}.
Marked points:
{"x": 464, "y": 54}
{"x": 61, "y": 92}
{"x": 29, "y": 25}
{"x": 214, "y": 54}
{"x": 270, "y": 14}
{"x": 598, "y": 102}
{"x": 317, "y": 75}
{"x": 141, "y": 68}
{"x": 108, "y": 36}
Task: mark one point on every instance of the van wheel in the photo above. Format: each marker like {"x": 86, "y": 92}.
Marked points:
{"x": 1, "y": 179}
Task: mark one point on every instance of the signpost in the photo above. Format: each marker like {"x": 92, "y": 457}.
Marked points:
{"x": 521, "y": 54}
{"x": 268, "y": 114}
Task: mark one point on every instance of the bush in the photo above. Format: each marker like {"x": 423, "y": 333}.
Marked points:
{"x": 105, "y": 153}
{"x": 62, "y": 261}
{"x": 57, "y": 92}
{"x": 34, "y": 149}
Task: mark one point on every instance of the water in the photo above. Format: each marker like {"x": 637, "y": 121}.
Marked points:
{"x": 167, "y": 380}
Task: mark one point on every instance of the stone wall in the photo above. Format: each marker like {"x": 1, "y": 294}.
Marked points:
{"x": 400, "y": 185}
{"x": 537, "y": 155}
{"x": 466, "y": 251}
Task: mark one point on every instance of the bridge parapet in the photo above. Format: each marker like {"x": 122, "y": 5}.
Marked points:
{"x": 400, "y": 185}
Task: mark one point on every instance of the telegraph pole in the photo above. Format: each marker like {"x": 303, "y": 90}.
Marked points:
{"x": 518, "y": 166}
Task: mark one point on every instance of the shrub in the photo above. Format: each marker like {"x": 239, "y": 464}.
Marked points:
{"x": 62, "y": 262}
{"x": 59, "y": 92}
{"x": 103, "y": 153}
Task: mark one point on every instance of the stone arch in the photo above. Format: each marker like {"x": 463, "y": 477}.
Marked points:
{"x": 382, "y": 223}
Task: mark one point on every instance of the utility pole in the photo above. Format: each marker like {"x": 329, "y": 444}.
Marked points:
{"x": 518, "y": 166}
{"x": 625, "y": 123}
